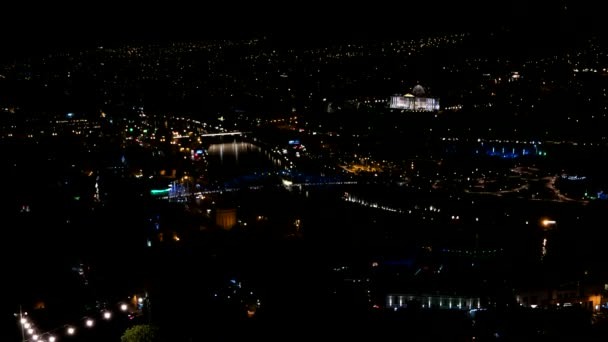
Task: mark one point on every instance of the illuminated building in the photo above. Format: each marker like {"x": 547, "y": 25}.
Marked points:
{"x": 225, "y": 218}
{"x": 590, "y": 296}
{"x": 398, "y": 301}
{"x": 415, "y": 101}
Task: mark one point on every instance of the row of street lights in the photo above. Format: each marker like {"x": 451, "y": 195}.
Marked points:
{"x": 29, "y": 332}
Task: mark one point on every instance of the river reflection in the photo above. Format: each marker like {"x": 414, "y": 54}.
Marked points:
{"x": 237, "y": 159}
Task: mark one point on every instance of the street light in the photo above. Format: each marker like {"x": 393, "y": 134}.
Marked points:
{"x": 23, "y": 322}
{"x": 547, "y": 224}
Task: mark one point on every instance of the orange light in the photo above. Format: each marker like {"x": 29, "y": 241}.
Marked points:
{"x": 547, "y": 223}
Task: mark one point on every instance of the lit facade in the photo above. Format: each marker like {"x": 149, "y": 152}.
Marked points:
{"x": 225, "y": 218}
{"x": 397, "y": 301}
{"x": 592, "y": 297}
{"x": 415, "y": 104}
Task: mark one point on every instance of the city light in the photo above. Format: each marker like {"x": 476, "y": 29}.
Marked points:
{"x": 511, "y": 159}
{"x": 548, "y": 223}
{"x": 69, "y": 329}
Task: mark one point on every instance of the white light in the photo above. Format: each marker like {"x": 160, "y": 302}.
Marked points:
{"x": 23, "y": 321}
{"x": 141, "y": 300}
{"x": 71, "y": 331}
{"x": 35, "y": 337}
{"x": 27, "y": 325}
{"x": 123, "y": 307}
{"x": 52, "y": 339}
{"x": 107, "y": 315}
{"x": 30, "y": 331}
{"x": 89, "y": 323}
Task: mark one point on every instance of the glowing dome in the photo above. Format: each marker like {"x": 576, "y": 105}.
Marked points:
{"x": 418, "y": 90}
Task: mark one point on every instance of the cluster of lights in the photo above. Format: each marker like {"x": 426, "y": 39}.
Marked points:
{"x": 30, "y": 333}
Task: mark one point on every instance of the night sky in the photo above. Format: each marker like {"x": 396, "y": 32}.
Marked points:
{"x": 32, "y": 26}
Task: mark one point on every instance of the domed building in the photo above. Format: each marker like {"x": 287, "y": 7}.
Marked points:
{"x": 416, "y": 101}
{"x": 418, "y": 91}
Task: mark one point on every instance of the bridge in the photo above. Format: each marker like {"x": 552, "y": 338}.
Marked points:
{"x": 221, "y": 134}
{"x": 210, "y": 134}
{"x": 167, "y": 194}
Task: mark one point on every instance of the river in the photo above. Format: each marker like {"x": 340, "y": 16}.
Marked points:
{"x": 233, "y": 161}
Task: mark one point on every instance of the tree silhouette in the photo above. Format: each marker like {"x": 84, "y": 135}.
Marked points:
{"x": 141, "y": 333}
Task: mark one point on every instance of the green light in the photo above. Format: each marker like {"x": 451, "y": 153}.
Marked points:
{"x": 159, "y": 192}
{"x": 131, "y": 129}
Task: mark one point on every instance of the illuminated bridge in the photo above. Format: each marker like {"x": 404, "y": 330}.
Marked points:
{"x": 210, "y": 134}
{"x": 170, "y": 193}
{"x": 224, "y": 133}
